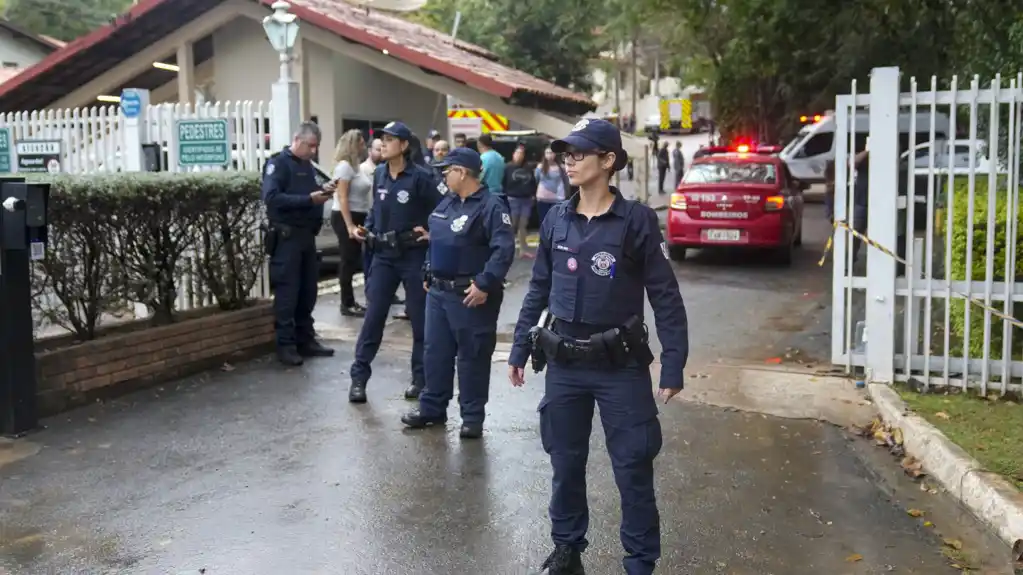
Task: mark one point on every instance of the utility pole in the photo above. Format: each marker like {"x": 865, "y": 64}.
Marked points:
{"x": 635, "y": 70}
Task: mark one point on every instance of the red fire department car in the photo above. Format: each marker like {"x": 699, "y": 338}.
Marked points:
{"x": 737, "y": 197}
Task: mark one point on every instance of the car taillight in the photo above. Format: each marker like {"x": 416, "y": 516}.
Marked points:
{"x": 742, "y": 149}
{"x": 774, "y": 203}
{"x": 678, "y": 201}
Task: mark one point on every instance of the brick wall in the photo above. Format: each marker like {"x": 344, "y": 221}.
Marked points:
{"x": 71, "y": 376}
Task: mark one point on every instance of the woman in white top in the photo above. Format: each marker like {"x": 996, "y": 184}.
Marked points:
{"x": 351, "y": 204}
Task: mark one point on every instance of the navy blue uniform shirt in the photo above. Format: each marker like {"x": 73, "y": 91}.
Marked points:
{"x": 594, "y": 273}
{"x": 287, "y": 183}
{"x": 404, "y": 202}
{"x": 472, "y": 238}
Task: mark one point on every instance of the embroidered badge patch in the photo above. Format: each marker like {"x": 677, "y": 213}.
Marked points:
{"x": 459, "y": 223}
{"x": 572, "y": 264}
{"x": 580, "y": 125}
{"x": 664, "y": 249}
{"x": 402, "y": 197}
{"x": 602, "y": 263}
{"x": 506, "y": 219}
{"x": 270, "y": 169}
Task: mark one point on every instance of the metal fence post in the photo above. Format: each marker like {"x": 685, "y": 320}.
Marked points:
{"x": 882, "y": 222}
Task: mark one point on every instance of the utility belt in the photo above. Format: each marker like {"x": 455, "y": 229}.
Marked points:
{"x": 613, "y": 348}
{"x": 275, "y": 234}
{"x": 393, "y": 240}
{"x": 458, "y": 284}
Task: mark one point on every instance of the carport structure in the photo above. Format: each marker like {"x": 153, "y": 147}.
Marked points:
{"x": 353, "y": 65}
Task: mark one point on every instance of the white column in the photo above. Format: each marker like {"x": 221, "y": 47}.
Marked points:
{"x": 136, "y": 132}
{"x": 882, "y": 222}
{"x": 186, "y": 73}
{"x": 284, "y": 110}
{"x": 302, "y": 70}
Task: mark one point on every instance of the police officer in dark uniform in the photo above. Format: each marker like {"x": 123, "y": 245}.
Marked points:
{"x": 294, "y": 207}
{"x": 472, "y": 246}
{"x": 396, "y": 227}
{"x": 598, "y": 253}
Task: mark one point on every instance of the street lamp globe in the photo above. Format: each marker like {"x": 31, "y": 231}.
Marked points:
{"x": 281, "y": 28}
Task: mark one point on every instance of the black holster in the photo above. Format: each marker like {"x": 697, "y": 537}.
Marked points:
{"x": 537, "y": 355}
{"x": 637, "y": 340}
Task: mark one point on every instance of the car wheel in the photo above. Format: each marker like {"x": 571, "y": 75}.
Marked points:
{"x": 677, "y": 253}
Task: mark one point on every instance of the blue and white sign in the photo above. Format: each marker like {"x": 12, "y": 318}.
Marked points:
{"x": 131, "y": 103}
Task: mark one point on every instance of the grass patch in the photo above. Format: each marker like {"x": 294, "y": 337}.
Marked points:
{"x": 989, "y": 429}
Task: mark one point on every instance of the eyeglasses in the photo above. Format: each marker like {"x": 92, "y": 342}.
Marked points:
{"x": 454, "y": 170}
{"x": 578, "y": 156}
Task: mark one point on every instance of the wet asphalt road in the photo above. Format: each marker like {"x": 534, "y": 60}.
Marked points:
{"x": 262, "y": 470}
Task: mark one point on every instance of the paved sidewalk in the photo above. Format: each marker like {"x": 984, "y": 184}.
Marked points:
{"x": 262, "y": 470}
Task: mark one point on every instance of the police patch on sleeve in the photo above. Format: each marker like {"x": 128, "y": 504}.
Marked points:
{"x": 442, "y": 188}
{"x": 506, "y": 219}
{"x": 270, "y": 167}
{"x": 664, "y": 250}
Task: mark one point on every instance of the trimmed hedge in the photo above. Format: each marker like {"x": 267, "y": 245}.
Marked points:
{"x": 122, "y": 237}
{"x": 979, "y": 263}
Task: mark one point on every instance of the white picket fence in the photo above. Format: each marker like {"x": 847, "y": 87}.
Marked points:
{"x": 93, "y": 141}
{"x": 951, "y": 211}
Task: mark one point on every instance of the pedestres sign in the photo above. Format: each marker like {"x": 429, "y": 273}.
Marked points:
{"x": 203, "y": 143}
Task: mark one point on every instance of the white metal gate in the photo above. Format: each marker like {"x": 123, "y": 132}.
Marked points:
{"x": 943, "y": 183}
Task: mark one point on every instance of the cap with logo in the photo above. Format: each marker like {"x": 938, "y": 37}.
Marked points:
{"x": 590, "y": 135}
{"x": 464, "y": 157}
{"x": 398, "y": 130}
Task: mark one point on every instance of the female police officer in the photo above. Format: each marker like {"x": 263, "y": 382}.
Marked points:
{"x": 471, "y": 248}
{"x": 597, "y": 253}
{"x": 405, "y": 196}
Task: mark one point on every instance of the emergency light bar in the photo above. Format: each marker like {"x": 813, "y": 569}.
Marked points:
{"x": 742, "y": 149}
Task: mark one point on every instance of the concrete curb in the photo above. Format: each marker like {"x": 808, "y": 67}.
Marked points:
{"x": 985, "y": 494}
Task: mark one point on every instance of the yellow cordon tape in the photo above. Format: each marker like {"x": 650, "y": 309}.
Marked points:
{"x": 829, "y": 246}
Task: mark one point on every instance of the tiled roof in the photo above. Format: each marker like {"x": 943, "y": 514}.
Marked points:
{"x": 150, "y": 20}
{"x": 432, "y": 45}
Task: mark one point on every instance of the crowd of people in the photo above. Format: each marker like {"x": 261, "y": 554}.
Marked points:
{"x": 446, "y": 232}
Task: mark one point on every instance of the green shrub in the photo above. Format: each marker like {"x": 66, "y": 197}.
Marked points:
{"x": 124, "y": 237}
{"x": 979, "y": 263}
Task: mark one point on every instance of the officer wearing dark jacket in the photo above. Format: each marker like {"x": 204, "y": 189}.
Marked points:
{"x": 294, "y": 208}
{"x": 598, "y": 253}
{"x": 471, "y": 249}
{"x": 396, "y": 227}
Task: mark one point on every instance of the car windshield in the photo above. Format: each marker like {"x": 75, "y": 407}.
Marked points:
{"x": 731, "y": 173}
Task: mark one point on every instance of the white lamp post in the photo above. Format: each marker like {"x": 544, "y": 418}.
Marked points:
{"x": 282, "y": 31}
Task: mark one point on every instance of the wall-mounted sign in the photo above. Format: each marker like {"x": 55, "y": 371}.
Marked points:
{"x": 39, "y": 155}
{"x": 203, "y": 143}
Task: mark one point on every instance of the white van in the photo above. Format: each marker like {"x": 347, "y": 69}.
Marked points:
{"x": 814, "y": 146}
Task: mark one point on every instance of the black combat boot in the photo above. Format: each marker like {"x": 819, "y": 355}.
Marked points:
{"x": 315, "y": 349}
{"x": 289, "y": 356}
{"x": 564, "y": 560}
{"x": 357, "y": 392}
{"x": 353, "y": 310}
{"x": 471, "y": 431}
{"x": 414, "y": 389}
{"x": 416, "y": 420}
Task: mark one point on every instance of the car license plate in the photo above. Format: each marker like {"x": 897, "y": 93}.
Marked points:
{"x": 721, "y": 235}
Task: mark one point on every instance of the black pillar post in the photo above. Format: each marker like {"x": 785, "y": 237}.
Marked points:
{"x": 17, "y": 348}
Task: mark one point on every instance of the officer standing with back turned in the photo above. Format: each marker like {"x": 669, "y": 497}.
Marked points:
{"x": 294, "y": 207}
{"x": 397, "y": 230}
{"x": 598, "y": 253}
{"x": 471, "y": 249}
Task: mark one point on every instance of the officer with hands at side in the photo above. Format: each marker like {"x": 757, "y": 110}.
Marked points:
{"x": 396, "y": 227}
{"x": 472, "y": 246}
{"x": 294, "y": 208}
{"x": 598, "y": 253}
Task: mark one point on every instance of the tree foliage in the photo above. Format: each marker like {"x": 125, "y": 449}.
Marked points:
{"x": 551, "y": 39}
{"x": 63, "y": 19}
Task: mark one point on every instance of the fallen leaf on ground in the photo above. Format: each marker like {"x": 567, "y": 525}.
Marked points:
{"x": 942, "y": 415}
{"x": 773, "y": 360}
{"x": 915, "y": 513}
{"x": 227, "y": 367}
{"x": 912, "y": 467}
{"x": 854, "y": 558}
{"x": 953, "y": 543}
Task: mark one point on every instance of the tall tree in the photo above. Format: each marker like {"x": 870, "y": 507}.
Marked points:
{"x": 63, "y": 19}
{"x": 550, "y": 39}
